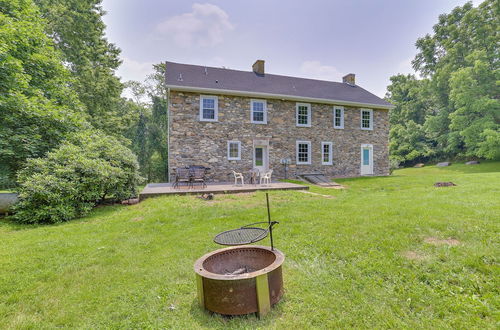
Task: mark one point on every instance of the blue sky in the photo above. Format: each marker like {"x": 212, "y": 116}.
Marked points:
{"x": 313, "y": 39}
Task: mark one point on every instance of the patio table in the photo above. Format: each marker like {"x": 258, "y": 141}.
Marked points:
{"x": 254, "y": 176}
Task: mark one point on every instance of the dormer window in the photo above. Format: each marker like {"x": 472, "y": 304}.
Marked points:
{"x": 209, "y": 108}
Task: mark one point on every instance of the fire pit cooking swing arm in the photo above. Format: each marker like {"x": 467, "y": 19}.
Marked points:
{"x": 248, "y": 234}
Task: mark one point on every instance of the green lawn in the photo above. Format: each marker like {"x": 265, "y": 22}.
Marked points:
{"x": 372, "y": 257}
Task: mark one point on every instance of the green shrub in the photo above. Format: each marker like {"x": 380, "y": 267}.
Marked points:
{"x": 394, "y": 164}
{"x": 72, "y": 179}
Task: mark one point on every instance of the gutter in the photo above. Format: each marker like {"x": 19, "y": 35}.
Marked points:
{"x": 276, "y": 96}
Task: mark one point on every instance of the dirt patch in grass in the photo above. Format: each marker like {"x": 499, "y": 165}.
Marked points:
{"x": 138, "y": 219}
{"x": 413, "y": 255}
{"x": 438, "y": 241}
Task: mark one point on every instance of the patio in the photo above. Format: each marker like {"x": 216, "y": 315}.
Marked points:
{"x": 158, "y": 189}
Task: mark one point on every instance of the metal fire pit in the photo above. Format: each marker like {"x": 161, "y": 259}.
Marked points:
{"x": 240, "y": 280}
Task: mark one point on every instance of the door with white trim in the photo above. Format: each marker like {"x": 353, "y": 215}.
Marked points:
{"x": 260, "y": 158}
{"x": 366, "y": 159}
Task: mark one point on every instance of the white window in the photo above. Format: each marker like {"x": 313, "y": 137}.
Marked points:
{"x": 326, "y": 153}
{"x": 367, "y": 119}
{"x": 258, "y": 111}
{"x": 338, "y": 117}
{"x": 233, "y": 150}
{"x": 209, "y": 108}
{"x": 303, "y": 152}
{"x": 303, "y": 114}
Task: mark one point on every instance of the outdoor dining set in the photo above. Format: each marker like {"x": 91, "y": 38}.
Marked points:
{"x": 198, "y": 175}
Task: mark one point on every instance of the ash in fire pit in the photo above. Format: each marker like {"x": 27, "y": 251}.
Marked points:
{"x": 241, "y": 270}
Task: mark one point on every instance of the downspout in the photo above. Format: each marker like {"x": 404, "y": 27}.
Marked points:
{"x": 168, "y": 134}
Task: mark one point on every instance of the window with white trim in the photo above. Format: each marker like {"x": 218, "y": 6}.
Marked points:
{"x": 338, "y": 117}
{"x": 258, "y": 111}
{"x": 209, "y": 108}
{"x": 326, "y": 153}
{"x": 367, "y": 119}
{"x": 303, "y": 149}
{"x": 303, "y": 114}
{"x": 233, "y": 150}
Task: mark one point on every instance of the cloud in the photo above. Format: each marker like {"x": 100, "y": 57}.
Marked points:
{"x": 134, "y": 70}
{"x": 316, "y": 70}
{"x": 204, "y": 26}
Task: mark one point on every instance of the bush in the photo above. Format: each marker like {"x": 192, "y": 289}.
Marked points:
{"x": 394, "y": 164}
{"x": 72, "y": 179}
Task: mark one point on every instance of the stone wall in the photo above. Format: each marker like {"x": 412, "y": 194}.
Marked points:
{"x": 195, "y": 142}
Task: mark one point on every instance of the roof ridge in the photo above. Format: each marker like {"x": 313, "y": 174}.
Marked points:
{"x": 266, "y": 74}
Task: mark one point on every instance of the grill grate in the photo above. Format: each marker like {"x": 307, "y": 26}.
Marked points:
{"x": 248, "y": 234}
{"x": 240, "y": 236}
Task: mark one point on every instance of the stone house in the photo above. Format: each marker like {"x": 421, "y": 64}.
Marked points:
{"x": 238, "y": 120}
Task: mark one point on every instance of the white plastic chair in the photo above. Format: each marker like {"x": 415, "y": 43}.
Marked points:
{"x": 238, "y": 176}
{"x": 266, "y": 177}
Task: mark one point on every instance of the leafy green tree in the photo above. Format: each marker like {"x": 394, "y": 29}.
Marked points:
{"x": 456, "y": 37}
{"x": 407, "y": 139}
{"x": 77, "y": 28}
{"x": 37, "y": 106}
{"x": 474, "y": 95}
{"x": 150, "y": 133}
{"x": 158, "y": 138}
{"x": 458, "y": 99}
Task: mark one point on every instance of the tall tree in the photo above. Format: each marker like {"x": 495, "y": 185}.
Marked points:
{"x": 407, "y": 139}
{"x": 460, "y": 65}
{"x": 37, "y": 106}
{"x": 457, "y": 36}
{"x": 77, "y": 28}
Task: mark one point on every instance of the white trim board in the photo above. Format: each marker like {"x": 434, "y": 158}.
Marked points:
{"x": 276, "y": 96}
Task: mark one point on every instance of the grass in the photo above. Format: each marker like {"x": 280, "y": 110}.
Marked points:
{"x": 375, "y": 256}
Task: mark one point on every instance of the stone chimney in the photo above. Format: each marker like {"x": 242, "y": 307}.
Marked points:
{"x": 258, "y": 67}
{"x": 349, "y": 79}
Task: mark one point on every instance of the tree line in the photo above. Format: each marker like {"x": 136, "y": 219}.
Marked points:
{"x": 57, "y": 79}
{"x": 452, "y": 110}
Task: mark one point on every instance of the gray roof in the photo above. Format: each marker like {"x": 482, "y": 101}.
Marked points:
{"x": 226, "y": 81}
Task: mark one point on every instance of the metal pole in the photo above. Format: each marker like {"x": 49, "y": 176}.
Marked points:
{"x": 269, "y": 221}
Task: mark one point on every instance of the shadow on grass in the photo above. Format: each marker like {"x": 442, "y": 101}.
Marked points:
{"x": 8, "y": 223}
{"x": 457, "y": 168}
{"x": 212, "y": 320}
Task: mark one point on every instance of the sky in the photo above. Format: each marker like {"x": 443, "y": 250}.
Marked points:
{"x": 312, "y": 39}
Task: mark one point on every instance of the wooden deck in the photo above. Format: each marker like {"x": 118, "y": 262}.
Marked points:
{"x": 158, "y": 189}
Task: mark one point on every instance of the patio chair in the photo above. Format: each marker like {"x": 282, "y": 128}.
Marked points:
{"x": 182, "y": 175}
{"x": 238, "y": 176}
{"x": 198, "y": 176}
{"x": 266, "y": 177}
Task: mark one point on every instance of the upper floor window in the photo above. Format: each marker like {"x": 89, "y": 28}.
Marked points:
{"x": 209, "y": 108}
{"x": 367, "y": 119}
{"x": 338, "y": 117}
{"x": 233, "y": 150}
{"x": 326, "y": 153}
{"x": 303, "y": 114}
{"x": 303, "y": 149}
{"x": 258, "y": 111}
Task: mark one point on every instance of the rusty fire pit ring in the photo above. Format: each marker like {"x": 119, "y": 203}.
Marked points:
{"x": 225, "y": 293}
